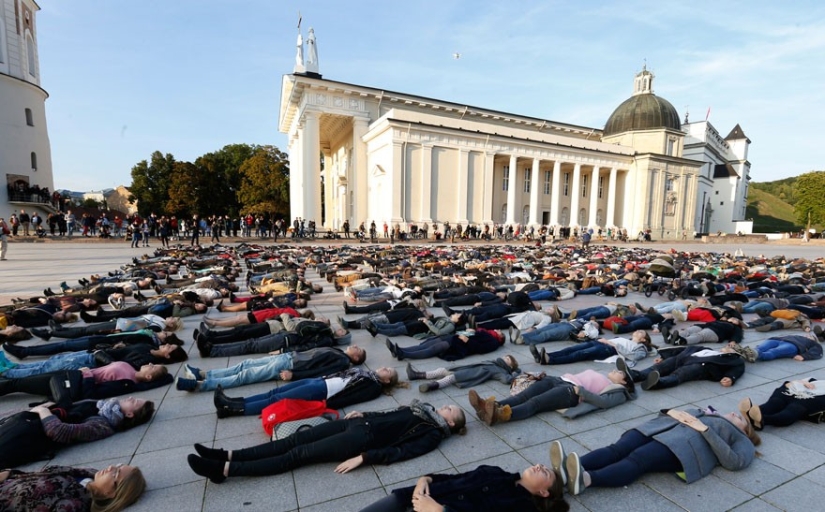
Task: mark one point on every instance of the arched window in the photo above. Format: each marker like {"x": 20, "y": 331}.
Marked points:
{"x": 582, "y": 217}
{"x": 600, "y": 217}
{"x": 30, "y": 52}
{"x": 34, "y": 161}
{"x": 565, "y": 216}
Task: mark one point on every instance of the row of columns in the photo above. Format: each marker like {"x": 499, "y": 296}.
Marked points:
{"x": 555, "y": 194}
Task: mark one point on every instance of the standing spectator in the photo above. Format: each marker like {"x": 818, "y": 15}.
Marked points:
{"x": 345, "y": 227}
{"x": 24, "y": 221}
{"x": 216, "y": 229}
{"x": 15, "y": 224}
{"x": 196, "y": 240}
{"x": 386, "y": 230}
{"x": 144, "y": 228}
{"x": 4, "y": 238}
{"x": 71, "y": 222}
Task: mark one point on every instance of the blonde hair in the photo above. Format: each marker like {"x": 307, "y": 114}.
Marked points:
{"x": 173, "y": 324}
{"x": 127, "y": 492}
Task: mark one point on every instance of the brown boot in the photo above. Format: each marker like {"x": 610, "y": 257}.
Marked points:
{"x": 503, "y": 414}
{"x": 755, "y": 415}
{"x": 476, "y": 402}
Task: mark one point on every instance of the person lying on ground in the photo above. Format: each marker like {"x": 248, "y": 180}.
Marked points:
{"x": 145, "y": 337}
{"x": 341, "y": 389}
{"x": 450, "y": 347}
{"x": 795, "y": 400}
{"x": 255, "y": 317}
{"x": 308, "y": 335}
{"x": 420, "y": 328}
{"x": 634, "y": 349}
{"x": 676, "y": 366}
{"x": 687, "y": 443}
{"x": 147, "y": 321}
{"x": 71, "y": 489}
{"x": 503, "y": 369}
{"x": 288, "y": 366}
{"x": 574, "y": 393}
{"x": 797, "y": 347}
{"x": 358, "y": 439}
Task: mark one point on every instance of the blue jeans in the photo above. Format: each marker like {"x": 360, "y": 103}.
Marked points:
{"x": 391, "y": 330}
{"x": 247, "y": 372}
{"x": 585, "y": 351}
{"x": 551, "y": 332}
{"x": 48, "y": 349}
{"x": 551, "y": 294}
{"x": 624, "y": 461}
{"x": 667, "y": 307}
{"x": 772, "y": 349}
{"x": 599, "y": 312}
{"x": 428, "y": 348}
{"x": 593, "y": 290}
{"x": 307, "y": 389}
{"x": 68, "y": 361}
{"x": 756, "y": 306}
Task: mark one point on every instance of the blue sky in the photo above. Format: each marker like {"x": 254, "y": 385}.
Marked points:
{"x": 187, "y": 77}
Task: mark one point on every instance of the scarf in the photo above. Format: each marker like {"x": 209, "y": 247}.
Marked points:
{"x": 428, "y": 413}
{"x": 355, "y": 374}
{"x": 110, "y": 409}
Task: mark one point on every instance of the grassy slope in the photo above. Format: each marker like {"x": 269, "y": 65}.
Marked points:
{"x": 769, "y": 213}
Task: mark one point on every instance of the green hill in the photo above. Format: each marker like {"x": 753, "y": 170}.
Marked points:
{"x": 769, "y": 213}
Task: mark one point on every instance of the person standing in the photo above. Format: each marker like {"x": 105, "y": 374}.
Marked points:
{"x": 15, "y": 224}
{"x": 24, "y": 221}
{"x": 196, "y": 240}
{"x": 4, "y": 238}
{"x": 216, "y": 230}
{"x": 346, "y": 228}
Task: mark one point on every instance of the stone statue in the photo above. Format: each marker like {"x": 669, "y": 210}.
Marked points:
{"x": 299, "y": 55}
{"x": 312, "y": 51}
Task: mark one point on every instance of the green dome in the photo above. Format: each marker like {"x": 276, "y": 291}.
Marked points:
{"x": 644, "y": 111}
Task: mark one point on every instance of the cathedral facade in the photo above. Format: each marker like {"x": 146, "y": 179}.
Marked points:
{"x": 405, "y": 159}
{"x": 25, "y": 152}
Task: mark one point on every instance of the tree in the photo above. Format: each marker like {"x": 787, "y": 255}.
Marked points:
{"x": 222, "y": 173}
{"x": 187, "y": 193}
{"x": 264, "y": 187}
{"x": 150, "y": 182}
{"x": 810, "y": 189}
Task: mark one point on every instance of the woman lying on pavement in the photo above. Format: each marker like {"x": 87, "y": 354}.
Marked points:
{"x": 536, "y": 488}
{"x": 450, "y": 347}
{"x": 67, "y": 488}
{"x": 503, "y": 369}
{"x": 578, "y": 393}
{"x": 688, "y": 443}
{"x": 144, "y": 337}
{"x": 38, "y": 434}
{"x": 340, "y": 390}
{"x": 796, "y": 347}
{"x": 359, "y": 438}
{"x": 136, "y": 355}
{"x": 793, "y": 401}
{"x": 148, "y": 321}
{"x": 635, "y": 349}
{"x": 308, "y": 335}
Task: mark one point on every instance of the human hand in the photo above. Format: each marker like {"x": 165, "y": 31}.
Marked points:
{"x": 286, "y": 375}
{"x": 658, "y": 360}
{"x": 808, "y": 385}
{"x": 463, "y": 338}
{"x": 275, "y": 353}
{"x": 4, "y": 475}
{"x": 422, "y": 486}
{"x": 424, "y": 503}
{"x": 726, "y": 382}
{"x": 688, "y": 419}
{"x": 354, "y": 414}
{"x": 349, "y": 464}
{"x": 798, "y": 358}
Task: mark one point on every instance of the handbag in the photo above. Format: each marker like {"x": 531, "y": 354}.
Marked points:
{"x": 291, "y": 409}
{"x": 287, "y": 428}
{"x": 524, "y": 381}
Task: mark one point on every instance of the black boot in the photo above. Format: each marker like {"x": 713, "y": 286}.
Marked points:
{"x": 414, "y": 374}
{"x": 212, "y": 453}
{"x": 346, "y": 308}
{"x": 42, "y": 333}
{"x": 535, "y": 353}
{"x": 226, "y": 406}
{"x": 211, "y": 469}
{"x": 204, "y": 347}
{"x": 16, "y": 351}
{"x": 426, "y": 387}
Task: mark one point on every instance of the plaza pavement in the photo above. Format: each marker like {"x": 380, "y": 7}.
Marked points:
{"x": 788, "y": 475}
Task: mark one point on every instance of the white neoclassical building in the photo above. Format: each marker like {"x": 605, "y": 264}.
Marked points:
{"x": 400, "y": 158}
{"x": 25, "y": 153}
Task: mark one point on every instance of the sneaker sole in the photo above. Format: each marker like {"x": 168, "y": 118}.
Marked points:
{"x": 574, "y": 477}
{"x": 557, "y": 460}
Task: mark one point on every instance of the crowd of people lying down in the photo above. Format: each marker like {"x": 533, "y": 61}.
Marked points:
{"x": 85, "y": 350}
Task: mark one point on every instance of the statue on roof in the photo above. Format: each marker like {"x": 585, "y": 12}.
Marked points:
{"x": 312, "y": 52}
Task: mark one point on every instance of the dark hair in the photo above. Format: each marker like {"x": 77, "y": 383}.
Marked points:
{"x": 555, "y": 501}
{"x": 172, "y": 339}
{"x": 140, "y": 417}
{"x": 359, "y": 359}
{"x": 21, "y": 335}
{"x": 460, "y": 425}
{"x": 178, "y": 355}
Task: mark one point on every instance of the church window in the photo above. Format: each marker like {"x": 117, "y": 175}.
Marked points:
{"x": 29, "y": 118}
{"x": 601, "y": 186}
{"x": 504, "y": 213}
{"x": 566, "y": 187}
{"x": 546, "y": 182}
{"x": 527, "y": 178}
{"x": 671, "y": 144}
{"x": 34, "y": 161}
{"x": 505, "y": 183}
{"x": 584, "y": 185}
{"x": 30, "y": 52}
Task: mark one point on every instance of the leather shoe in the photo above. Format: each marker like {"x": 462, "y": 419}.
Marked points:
{"x": 535, "y": 352}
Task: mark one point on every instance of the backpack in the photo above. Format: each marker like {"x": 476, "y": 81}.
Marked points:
{"x": 23, "y": 440}
{"x": 291, "y": 409}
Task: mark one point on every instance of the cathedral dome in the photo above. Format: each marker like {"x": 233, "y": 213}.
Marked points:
{"x": 642, "y": 111}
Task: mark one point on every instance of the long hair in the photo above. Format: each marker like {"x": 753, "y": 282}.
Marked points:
{"x": 140, "y": 417}
{"x": 555, "y": 501}
{"x": 126, "y": 493}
